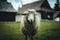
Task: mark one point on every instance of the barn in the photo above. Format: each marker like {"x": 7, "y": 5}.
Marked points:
{"x": 41, "y": 6}
{"x": 7, "y": 12}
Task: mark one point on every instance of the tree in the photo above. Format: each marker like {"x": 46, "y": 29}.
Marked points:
{"x": 57, "y": 8}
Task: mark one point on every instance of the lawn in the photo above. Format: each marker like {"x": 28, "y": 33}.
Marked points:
{"x": 49, "y": 30}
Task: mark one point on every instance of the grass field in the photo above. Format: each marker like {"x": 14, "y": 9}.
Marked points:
{"x": 49, "y": 30}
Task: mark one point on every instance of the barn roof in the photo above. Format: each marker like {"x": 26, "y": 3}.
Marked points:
{"x": 35, "y": 5}
{"x": 6, "y": 7}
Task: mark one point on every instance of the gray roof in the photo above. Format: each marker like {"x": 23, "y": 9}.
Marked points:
{"x": 35, "y": 5}
{"x": 3, "y": 0}
{"x": 6, "y": 7}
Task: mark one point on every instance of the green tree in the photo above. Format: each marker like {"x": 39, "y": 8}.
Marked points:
{"x": 57, "y": 8}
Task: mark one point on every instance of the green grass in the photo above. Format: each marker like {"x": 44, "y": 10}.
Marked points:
{"x": 49, "y": 30}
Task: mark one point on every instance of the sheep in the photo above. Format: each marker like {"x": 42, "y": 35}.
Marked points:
{"x": 30, "y": 24}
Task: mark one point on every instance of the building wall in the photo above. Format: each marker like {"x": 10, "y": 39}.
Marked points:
{"x": 46, "y": 15}
{"x": 57, "y": 18}
{"x": 7, "y": 16}
{"x": 18, "y": 18}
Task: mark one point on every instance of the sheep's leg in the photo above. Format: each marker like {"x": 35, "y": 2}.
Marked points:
{"x": 31, "y": 37}
{"x": 25, "y": 37}
{"x": 28, "y": 37}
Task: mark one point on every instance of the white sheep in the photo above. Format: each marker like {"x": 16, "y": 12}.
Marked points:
{"x": 30, "y": 23}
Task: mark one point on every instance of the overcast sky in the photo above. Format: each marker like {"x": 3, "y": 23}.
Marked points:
{"x": 17, "y": 3}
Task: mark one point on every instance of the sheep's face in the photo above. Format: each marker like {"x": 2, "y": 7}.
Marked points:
{"x": 31, "y": 16}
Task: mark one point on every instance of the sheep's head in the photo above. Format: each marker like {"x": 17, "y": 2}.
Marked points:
{"x": 30, "y": 14}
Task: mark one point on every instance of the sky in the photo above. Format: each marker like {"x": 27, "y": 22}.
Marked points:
{"x": 18, "y": 3}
